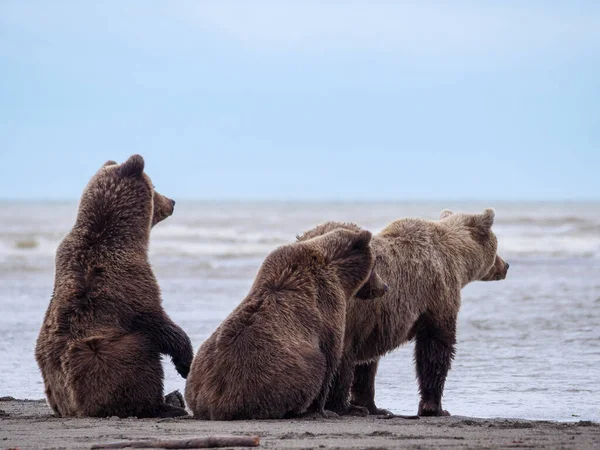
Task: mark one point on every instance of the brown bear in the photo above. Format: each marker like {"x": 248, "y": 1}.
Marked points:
{"x": 104, "y": 331}
{"x": 277, "y": 352}
{"x": 426, "y": 264}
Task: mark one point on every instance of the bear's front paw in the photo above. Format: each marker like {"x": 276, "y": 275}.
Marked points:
{"x": 175, "y": 399}
{"x": 355, "y": 410}
{"x": 183, "y": 368}
{"x": 428, "y": 409}
{"x": 325, "y": 413}
{"x": 382, "y": 412}
{"x": 374, "y": 410}
{"x": 349, "y": 409}
{"x": 314, "y": 415}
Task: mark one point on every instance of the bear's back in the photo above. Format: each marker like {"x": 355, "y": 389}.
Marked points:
{"x": 258, "y": 363}
{"x": 412, "y": 258}
{"x": 411, "y": 242}
{"x": 99, "y": 287}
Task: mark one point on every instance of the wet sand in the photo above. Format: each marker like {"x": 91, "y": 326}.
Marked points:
{"x": 30, "y": 424}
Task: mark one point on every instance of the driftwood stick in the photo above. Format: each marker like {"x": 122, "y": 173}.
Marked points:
{"x": 398, "y": 416}
{"x": 205, "y": 442}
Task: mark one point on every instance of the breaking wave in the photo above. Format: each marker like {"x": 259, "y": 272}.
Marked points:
{"x": 205, "y": 240}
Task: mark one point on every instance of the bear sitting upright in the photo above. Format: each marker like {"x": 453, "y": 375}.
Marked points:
{"x": 426, "y": 264}
{"x": 100, "y": 344}
{"x": 277, "y": 352}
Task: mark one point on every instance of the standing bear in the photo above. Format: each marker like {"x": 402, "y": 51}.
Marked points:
{"x": 277, "y": 353}
{"x": 426, "y": 264}
{"x": 100, "y": 344}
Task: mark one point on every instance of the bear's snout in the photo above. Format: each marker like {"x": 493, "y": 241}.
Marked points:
{"x": 498, "y": 271}
{"x": 163, "y": 208}
{"x": 373, "y": 288}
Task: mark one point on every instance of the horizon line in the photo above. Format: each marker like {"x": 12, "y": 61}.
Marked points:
{"x": 324, "y": 200}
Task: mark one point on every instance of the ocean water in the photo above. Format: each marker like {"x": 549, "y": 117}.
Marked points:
{"x": 528, "y": 346}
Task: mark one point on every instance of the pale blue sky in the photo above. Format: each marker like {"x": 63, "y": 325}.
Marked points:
{"x": 313, "y": 100}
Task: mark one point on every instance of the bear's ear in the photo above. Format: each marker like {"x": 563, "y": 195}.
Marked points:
{"x": 487, "y": 218}
{"x": 445, "y": 213}
{"x": 133, "y": 167}
{"x": 361, "y": 240}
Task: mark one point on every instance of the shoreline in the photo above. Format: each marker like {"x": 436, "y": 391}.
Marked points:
{"x": 30, "y": 424}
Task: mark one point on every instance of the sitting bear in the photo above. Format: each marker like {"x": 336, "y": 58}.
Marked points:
{"x": 275, "y": 355}
{"x": 426, "y": 264}
{"x": 104, "y": 331}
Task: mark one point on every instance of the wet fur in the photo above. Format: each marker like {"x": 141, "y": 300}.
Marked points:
{"x": 426, "y": 264}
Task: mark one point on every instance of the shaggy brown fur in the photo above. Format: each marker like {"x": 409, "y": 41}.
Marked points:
{"x": 277, "y": 352}
{"x": 100, "y": 344}
{"x": 426, "y": 264}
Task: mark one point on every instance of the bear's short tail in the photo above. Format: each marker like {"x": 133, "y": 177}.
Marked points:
{"x": 114, "y": 376}
{"x": 88, "y": 358}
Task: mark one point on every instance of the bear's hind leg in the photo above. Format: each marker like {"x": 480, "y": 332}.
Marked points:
{"x": 363, "y": 388}
{"x": 51, "y": 402}
{"x": 330, "y": 347}
{"x": 434, "y": 352}
{"x": 339, "y": 394}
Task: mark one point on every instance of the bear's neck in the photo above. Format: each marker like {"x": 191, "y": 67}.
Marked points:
{"x": 113, "y": 229}
{"x": 466, "y": 253}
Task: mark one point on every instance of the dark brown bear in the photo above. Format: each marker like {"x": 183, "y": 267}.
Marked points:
{"x": 426, "y": 264}
{"x": 277, "y": 352}
{"x": 100, "y": 344}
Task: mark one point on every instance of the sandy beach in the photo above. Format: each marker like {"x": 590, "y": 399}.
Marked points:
{"x": 30, "y": 424}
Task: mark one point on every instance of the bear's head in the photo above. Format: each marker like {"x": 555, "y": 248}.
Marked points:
{"x": 374, "y": 286}
{"x": 490, "y": 266}
{"x": 339, "y": 262}
{"x": 123, "y": 196}
{"x": 133, "y": 169}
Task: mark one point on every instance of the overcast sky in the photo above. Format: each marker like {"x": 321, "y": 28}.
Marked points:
{"x": 312, "y": 100}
